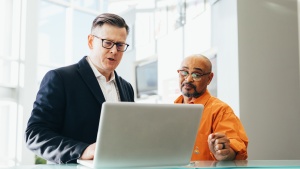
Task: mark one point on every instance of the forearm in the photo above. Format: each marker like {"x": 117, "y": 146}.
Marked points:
{"x": 53, "y": 147}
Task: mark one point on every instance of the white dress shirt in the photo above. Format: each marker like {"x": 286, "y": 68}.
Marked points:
{"x": 109, "y": 88}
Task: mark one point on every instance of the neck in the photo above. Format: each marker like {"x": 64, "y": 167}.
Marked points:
{"x": 106, "y": 74}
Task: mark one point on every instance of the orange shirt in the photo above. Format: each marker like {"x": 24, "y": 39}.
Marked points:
{"x": 218, "y": 117}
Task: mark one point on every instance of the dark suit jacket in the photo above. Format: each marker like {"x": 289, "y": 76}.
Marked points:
{"x": 65, "y": 115}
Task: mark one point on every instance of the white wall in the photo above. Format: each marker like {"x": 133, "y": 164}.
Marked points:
{"x": 225, "y": 43}
{"x": 267, "y": 64}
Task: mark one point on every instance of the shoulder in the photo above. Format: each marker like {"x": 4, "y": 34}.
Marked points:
{"x": 67, "y": 70}
{"x": 66, "y": 73}
{"x": 218, "y": 106}
{"x": 59, "y": 73}
{"x": 220, "y": 113}
{"x": 216, "y": 101}
{"x": 70, "y": 69}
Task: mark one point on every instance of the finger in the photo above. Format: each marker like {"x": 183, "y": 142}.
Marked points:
{"x": 211, "y": 138}
{"x": 223, "y": 152}
{"x": 222, "y": 140}
{"x": 223, "y": 145}
{"x": 220, "y": 146}
{"x": 219, "y": 135}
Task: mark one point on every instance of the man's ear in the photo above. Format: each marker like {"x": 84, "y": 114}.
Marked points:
{"x": 90, "y": 41}
{"x": 210, "y": 77}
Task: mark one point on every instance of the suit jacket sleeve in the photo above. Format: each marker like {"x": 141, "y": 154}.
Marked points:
{"x": 43, "y": 133}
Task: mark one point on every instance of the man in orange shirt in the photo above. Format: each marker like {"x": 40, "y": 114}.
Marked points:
{"x": 221, "y": 135}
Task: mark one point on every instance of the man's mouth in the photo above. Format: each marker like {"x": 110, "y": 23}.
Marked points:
{"x": 111, "y": 59}
{"x": 188, "y": 86}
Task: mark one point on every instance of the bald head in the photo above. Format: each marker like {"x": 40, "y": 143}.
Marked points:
{"x": 197, "y": 60}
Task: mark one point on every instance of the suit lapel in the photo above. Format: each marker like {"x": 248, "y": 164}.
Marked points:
{"x": 90, "y": 80}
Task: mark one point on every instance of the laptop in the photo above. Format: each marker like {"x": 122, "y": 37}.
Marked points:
{"x": 145, "y": 135}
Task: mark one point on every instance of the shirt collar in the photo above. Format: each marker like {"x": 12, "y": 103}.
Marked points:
{"x": 203, "y": 98}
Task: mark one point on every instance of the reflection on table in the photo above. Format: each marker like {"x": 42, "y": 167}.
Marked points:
{"x": 270, "y": 164}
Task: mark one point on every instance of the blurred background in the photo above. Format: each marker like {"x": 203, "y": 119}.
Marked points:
{"x": 252, "y": 44}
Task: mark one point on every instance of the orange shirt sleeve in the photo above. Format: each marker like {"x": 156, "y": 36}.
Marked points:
{"x": 227, "y": 122}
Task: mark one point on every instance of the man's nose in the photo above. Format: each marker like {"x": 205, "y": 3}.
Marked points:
{"x": 189, "y": 78}
{"x": 114, "y": 49}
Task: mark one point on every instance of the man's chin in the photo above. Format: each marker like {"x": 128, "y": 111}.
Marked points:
{"x": 187, "y": 94}
{"x": 190, "y": 94}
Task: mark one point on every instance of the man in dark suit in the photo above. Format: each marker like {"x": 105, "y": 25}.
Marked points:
{"x": 64, "y": 120}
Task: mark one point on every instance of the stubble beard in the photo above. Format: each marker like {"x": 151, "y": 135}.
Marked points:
{"x": 195, "y": 94}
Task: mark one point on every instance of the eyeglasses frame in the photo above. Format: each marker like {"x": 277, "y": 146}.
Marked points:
{"x": 188, "y": 74}
{"x": 113, "y": 44}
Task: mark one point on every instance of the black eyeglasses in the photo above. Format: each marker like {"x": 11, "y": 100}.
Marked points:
{"x": 196, "y": 76}
{"x": 108, "y": 44}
